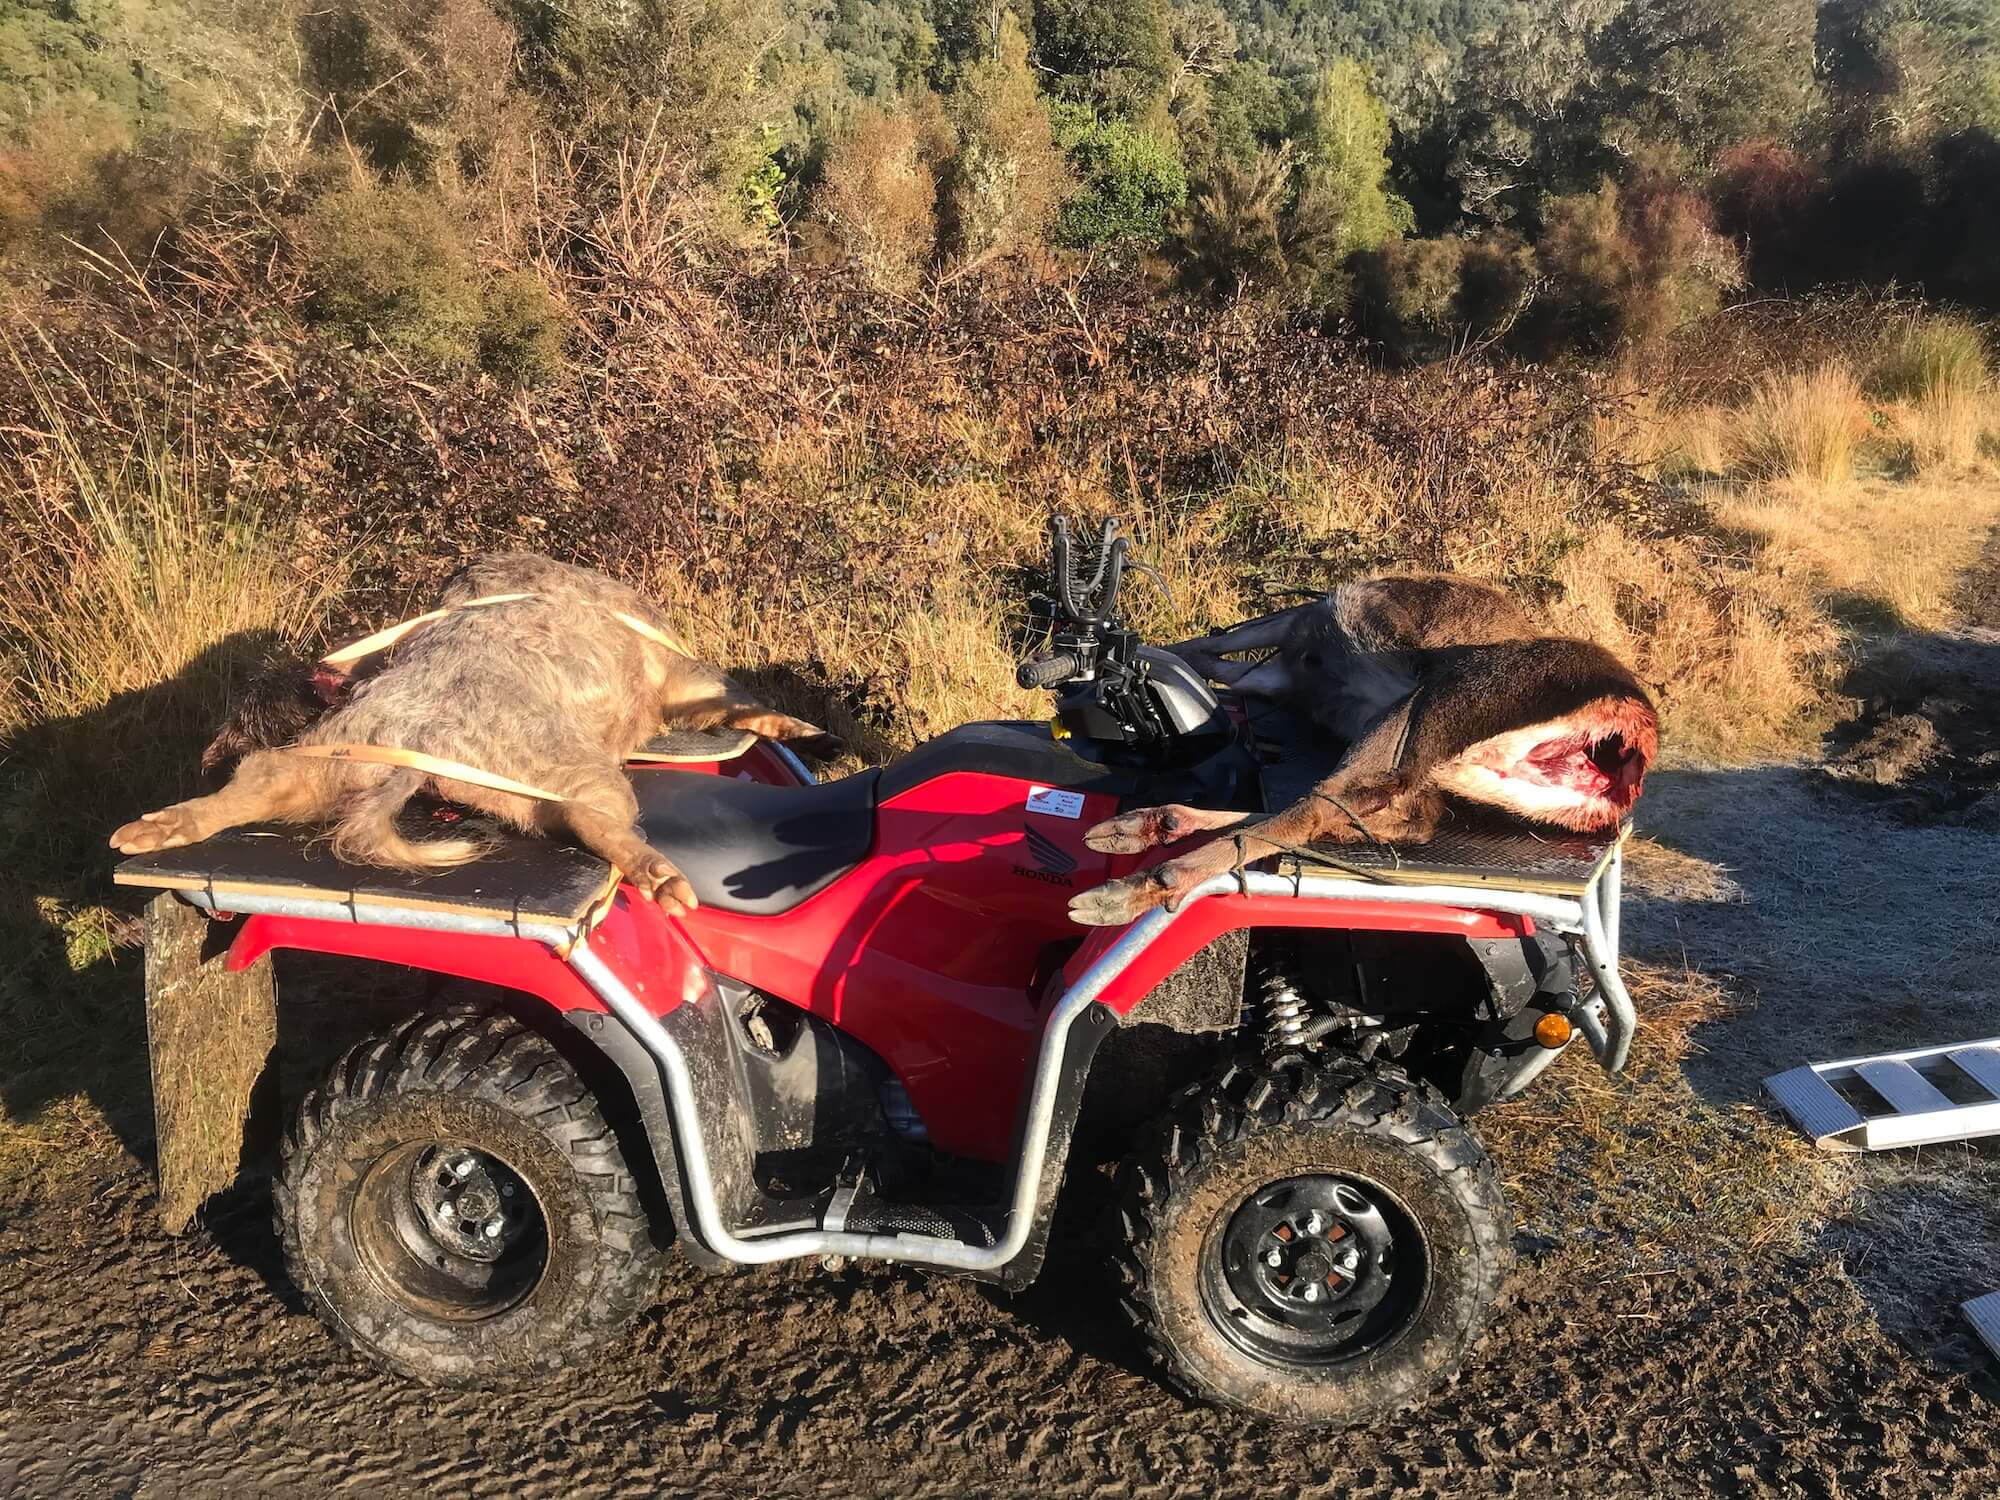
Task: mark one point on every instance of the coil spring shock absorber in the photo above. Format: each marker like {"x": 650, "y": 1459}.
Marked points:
{"x": 1284, "y": 1010}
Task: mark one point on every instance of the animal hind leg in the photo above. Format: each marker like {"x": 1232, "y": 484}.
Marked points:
{"x": 603, "y": 816}
{"x": 268, "y": 786}
{"x": 773, "y": 725}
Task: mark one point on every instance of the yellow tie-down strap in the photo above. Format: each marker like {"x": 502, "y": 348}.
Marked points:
{"x": 382, "y": 640}
{"x": 430, "y": 765}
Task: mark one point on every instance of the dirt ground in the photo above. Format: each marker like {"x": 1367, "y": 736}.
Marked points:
{"x": 1846, "y": 908}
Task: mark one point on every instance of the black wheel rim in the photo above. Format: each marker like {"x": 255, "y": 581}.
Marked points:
{"x": 1314, "y": 1271}
{"x": 450, "y": 1231}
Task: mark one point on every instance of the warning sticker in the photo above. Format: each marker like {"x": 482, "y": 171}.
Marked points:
{"x": 1045, "y": 799}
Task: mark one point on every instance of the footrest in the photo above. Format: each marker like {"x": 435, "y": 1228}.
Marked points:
{"x": 867, "y": 1214}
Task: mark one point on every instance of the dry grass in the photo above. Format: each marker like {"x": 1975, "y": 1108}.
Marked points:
{"x": 123, "y": 574}
{"x": 1692, "y": 440}
{"x": 1800, "y": 427}
{"x": 137, "y": 597}
{"x": 1946, "y": 433}
{"x": 1738, "y": 654}
{"x": 1896, "y": 549}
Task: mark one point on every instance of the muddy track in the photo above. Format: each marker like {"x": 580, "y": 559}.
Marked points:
{"x": 139, "y": 1365}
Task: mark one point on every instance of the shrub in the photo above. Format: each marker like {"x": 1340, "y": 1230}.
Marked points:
{"x": 1425, "y": 295}
{"x": 1132, "y": 181}
{"x": 1763, "y": 193}
{"x": 521, "y": 329}
{"x": 878, "y": 194}
{"x": 417, "y": 87}
{"x": 1495, "y": 280}
{"x": 392, "y": 266}
{"x": 1627, "y": 267}
{"x": 1409, "y": 291}
{"x": 1802, "y": 427}
{"x": 80, "y": 175}
{"x": 1233, "y": 238}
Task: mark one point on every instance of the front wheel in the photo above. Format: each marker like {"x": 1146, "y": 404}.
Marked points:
{"x": 1316, "y": 1241}
{"x": 454, "y": 1205}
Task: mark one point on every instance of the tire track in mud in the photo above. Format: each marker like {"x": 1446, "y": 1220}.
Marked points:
{"x": 150, "y": 1367}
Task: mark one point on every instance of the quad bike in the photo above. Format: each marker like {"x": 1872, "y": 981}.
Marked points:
{"x": 879, "y": 1037}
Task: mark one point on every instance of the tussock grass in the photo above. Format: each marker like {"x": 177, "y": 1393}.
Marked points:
{"x": 1801, "y": 428}
{"x": 137, "y": 597}
{"x": 1933, "y": 369}
{"x": 125, "y": 572}
{"x": 1930, "y": 357}
{"x": 1681, "y": 442}
{"x": 1738, "y": 655}
{"x": 1897, "y": 548}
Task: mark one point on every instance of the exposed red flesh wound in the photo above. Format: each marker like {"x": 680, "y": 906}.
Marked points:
{"x": 1606, "y": 768}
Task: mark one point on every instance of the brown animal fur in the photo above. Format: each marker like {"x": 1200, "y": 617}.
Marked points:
{"x": 1554, "y": 730}
{"x": 552, "y": 691}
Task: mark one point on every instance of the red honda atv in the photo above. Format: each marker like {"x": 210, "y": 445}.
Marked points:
{"x": 880, "y": 1037}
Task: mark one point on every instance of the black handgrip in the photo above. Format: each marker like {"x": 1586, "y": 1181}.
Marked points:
{"x": 1040, "y": 671}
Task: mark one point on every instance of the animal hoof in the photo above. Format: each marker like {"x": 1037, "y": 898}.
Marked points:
{"x": 1133, "y": 833}
{"x": 818, "y": 744}
{"x": 168, "y": 828}
{"x": 1113, "y": 905}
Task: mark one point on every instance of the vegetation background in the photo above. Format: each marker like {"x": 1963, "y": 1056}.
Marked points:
{"x": 1669, "y": 315}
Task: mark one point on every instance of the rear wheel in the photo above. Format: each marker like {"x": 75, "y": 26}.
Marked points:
{"x": 454, "y": 1205}
{"x": 1313, "y": 1240}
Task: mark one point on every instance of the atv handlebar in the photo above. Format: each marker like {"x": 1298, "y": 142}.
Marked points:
{"x": 1041, "y": 671}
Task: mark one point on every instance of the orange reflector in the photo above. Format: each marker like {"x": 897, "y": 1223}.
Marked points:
{"x": 1553, "y": 1031}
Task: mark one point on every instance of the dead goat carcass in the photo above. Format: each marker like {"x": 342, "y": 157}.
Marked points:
{"x": 520, "y": 695}
{"x": 1434, "y": 688}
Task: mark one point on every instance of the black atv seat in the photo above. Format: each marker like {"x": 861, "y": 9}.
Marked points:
{"x": 757, "y": 849}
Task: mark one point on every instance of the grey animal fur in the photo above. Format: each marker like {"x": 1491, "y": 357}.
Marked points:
{"x": 552, "y": 691}
{"x": 1346, "y": 659}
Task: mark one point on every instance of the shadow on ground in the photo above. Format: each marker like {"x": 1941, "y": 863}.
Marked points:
{"x": 1853, "y": 905}
{"x": 72, "y": 1020}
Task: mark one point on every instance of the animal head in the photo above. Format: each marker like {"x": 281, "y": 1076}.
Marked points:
{"x": 278, "y": 708}
{"x": 1553, "y": 730}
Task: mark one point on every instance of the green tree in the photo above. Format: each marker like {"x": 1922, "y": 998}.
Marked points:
{"x": 1232, "y": 116}
{"x": 1131, "y": 184}
{"x": 1115, "y": 54}
{"x": 1346, "y": 163}
{"x": 1912, "y": 68}
{"x": 1695, "y": 76}
{"x": 1008, "y": 180}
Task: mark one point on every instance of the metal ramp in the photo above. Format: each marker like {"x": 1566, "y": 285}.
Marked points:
{"x": 1983, "y": 1313}
{"x": 1949, "y": 1093}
